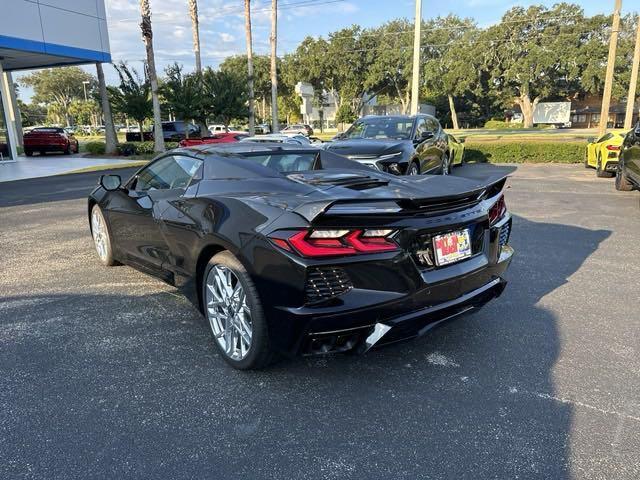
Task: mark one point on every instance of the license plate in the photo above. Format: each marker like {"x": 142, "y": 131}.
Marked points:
{"x": 452, "y": 247}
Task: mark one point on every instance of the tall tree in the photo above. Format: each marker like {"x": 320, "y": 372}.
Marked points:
{"x": 183, "y": 95}
{"x": 111, "y": 139}
{"x": 237, "y": 64}
{"x": 390, "y": 71}
{"x": 132, "y": 98}
{"x": 228, "y": 94}
{"x": 247, "y": 23}
{"x": 448, "y": 59}
{"x": 57, "y": 88}
{"x": 274, "y": 66}
{"x": 528, "y": 56}
{"x": 195, "y": 27}
{"x": 147, "y": 38}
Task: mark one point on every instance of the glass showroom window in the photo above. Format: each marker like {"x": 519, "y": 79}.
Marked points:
{"x": 5, "y": 150}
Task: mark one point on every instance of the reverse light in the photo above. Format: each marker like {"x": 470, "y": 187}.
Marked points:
{"x": 327, "y": 243}
{"x": 497, "y": 210}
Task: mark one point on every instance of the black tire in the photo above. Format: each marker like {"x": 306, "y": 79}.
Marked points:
{"x": 67, "y": 149}
{"x": 622, "y": 183}
{"x": 602, "y": 173}
{"x": 586, "y": 158}
{"x": 260, "y": 353}
{"x": 107, "y": 258}
{"x": 28, "y": 153}
{"x": 446, "y": 164}
{"x": 414, "y": 169}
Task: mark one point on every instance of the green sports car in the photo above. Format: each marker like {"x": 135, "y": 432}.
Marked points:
{"x": 456, "y": 150}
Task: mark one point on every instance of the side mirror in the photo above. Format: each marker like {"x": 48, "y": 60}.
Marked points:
{"x": 110, "y": 182}
{"x": 591, "y": 139}
{"x": 426, "y": 135}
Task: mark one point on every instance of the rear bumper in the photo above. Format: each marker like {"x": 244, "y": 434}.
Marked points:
{"x": 327, "y": 330}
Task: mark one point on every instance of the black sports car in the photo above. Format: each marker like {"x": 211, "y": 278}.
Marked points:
{"x": 401, "y": 144}
{"x": 628, "y": 168}
{"x": 291, "y": 249}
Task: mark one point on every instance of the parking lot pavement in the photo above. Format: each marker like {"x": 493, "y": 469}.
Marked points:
{"x": 108, "y": 373}
{"x": 50, "y": 164}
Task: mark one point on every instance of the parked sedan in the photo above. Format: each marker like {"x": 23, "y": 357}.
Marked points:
{"x": 176, "y": 131}
{"x": 299, "y": 128}
{"x": 296, "y": 250}
{"x": 229, "y": 137}
{"x": 628, "y": 168}
{"x": 602, "y": 153}
{"x": 278, "y": 138}
{"x": 400, "y": 144}
{"x": 50, "y": 139}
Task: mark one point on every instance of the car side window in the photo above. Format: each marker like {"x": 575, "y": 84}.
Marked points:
{"x": 421, "y": 127}
{"x": 433, "y": 125}
{"x": 604, "y": 138}
{"x": 168, "y": 172}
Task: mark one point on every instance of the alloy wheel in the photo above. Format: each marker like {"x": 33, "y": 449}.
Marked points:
{"x": 99, "y": 231}
{"x": 228, "y": 312}
{"x": 413, "y": 169}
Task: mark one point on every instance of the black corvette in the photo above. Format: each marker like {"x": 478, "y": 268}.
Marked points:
{"x": 300, "y": 251}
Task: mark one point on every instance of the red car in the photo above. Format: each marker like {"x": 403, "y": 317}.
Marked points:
{"x": 228, "y": 137}
{"x": 50, "y": 139}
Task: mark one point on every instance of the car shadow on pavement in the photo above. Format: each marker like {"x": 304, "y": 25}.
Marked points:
{"x": 129, "y": 385}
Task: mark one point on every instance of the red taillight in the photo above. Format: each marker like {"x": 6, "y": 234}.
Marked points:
{"x": 327, "y": 243}
{"x": 613, "y": 148}
{"x": 497, "y": 210}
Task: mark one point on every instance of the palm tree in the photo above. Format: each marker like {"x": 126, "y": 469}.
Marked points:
{"x": 193, "y": 13}
{"x": 132, "y": 98}
{"x": 274, "y": 68}
{"x": 195, "y": 27}
{"x": 147, "y": 38}
{"x": 111, "y": 140}
{"x": 247, "y": 23}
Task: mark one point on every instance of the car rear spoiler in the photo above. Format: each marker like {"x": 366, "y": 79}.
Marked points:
{"x": 431, "y": 202}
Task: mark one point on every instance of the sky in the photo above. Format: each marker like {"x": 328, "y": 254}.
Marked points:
{"x": 222, "y": 24}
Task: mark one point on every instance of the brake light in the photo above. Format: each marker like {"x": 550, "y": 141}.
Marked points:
{"x": 497, "y": 210}
{"x": 613, "y": 148}
{"x": 327, "y": 243}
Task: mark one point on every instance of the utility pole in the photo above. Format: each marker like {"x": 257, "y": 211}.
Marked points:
{"x": 274, "y": 66}
{"x": 247, "y": 23}
{"x": 415, "y": 77}
{"x": 633, "y": 84}
{"x": 611, "y": 63}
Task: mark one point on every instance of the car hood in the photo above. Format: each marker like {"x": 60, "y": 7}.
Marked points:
{"x": 368, "y": 147}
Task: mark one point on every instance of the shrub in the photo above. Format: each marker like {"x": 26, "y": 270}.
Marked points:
{"x": 525, "y": 152}
{"x": 501, "y": 125}
{"x": 127, "y": 149}
{"x": 95, "y": 148}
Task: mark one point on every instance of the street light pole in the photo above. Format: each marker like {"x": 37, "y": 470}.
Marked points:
{"x": 611, "y": 63}
{"x": 415, "y": 77}
{"x": 633, "y": 84}
{"x": 84, "y": 87}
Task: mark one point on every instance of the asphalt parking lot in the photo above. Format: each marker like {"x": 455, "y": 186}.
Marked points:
{"x": 108, "y": 373}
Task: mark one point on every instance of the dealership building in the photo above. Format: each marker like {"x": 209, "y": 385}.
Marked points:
{"x": 45, "y": 33}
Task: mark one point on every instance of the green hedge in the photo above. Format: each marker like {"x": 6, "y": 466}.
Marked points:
{"x": 95, "y": 148}
{"x": 501, "y": 125}
{"x": 126, "y": 149}
{"x": 525, "y": 152}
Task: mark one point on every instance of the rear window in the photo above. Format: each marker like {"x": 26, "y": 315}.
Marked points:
{"x": 48, "y": 130}
{"x": 286, "y": 162}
